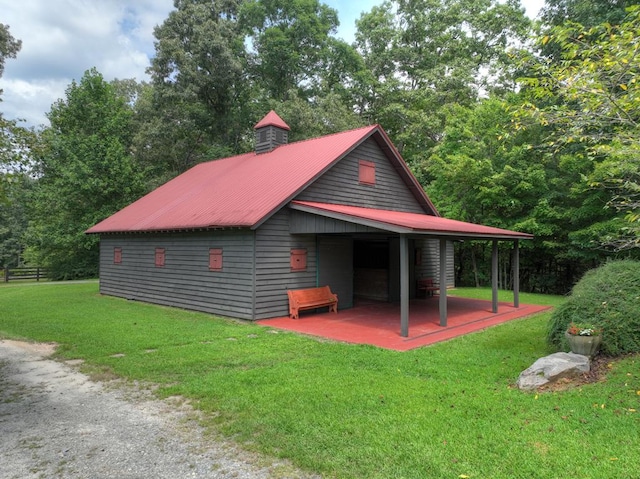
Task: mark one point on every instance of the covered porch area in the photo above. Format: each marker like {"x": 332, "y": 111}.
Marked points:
{"x": 378, "y": 323}
{"x": 331, "y": 219}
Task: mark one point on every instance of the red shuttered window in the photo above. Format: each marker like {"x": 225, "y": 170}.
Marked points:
{"x": 117, "y": 255}
{"x": 215, "y": 259}
{"x": 367, "y": 172}
{"x": 298, "y": 260}
{"x": 160, "y": 257}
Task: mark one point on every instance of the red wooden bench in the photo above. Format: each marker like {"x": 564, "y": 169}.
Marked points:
{"x": 427, "y": 286}
{"x": 311, "y": 298}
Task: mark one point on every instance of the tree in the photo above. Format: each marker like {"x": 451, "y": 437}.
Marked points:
{"x": 427, "y": 54}
{"x": 9, "y": 47}
{"x": 592, "y": 99}
{"x": 585, "y": 12}
{"x": 221, "y": 65}
{"x": 291, "y": 44}
{"x": 199, "y": 78}
{"x": 15, "y": 145}
{"x": 84, "y": 173}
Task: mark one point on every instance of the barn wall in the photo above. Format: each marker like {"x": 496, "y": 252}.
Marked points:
{"x": 301, "y": 222}
{"x": 273, "y": 269}
{"x": 185, "y": 280}
{"x": 430, "y": 264}
{"x": 341, "y": 185}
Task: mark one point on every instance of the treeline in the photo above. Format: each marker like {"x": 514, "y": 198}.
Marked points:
{"x": 531, "y": 126}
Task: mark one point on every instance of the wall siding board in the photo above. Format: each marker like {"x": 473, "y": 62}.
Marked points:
{"x": 273, "y": 272}
{"x": 185, "y": 281}
{"x": 302, "y": 222}
{"x": 430, "y": 267}
{"x": 341, "y": 185}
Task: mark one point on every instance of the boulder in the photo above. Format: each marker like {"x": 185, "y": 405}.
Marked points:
{"x": 551, "y": 368}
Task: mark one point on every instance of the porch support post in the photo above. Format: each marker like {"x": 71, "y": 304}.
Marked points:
{"x": 516, "y": 274}
{"x": 404, "y": 286}
{"x": 494, "y": 276}
{"x": 443, "y": 283}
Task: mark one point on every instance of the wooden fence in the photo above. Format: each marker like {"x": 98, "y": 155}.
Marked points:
{"x": 14, "y": 274}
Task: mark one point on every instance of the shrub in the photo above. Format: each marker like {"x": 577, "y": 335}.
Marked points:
{"x": 609, "y": 298}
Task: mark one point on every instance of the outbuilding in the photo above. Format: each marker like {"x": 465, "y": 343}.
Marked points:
{"x": 231, "y": 236}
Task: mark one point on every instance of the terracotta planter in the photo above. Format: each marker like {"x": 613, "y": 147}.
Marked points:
{"x": 585, "y": 345}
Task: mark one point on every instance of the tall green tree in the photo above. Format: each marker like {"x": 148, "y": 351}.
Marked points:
{"x": 220, "y": 65}
{"x": 9, "y": 47}
{"x": 591, "y": 102}
{"x": 427, "y": 54}
{"x": 292, "y": 44}
{"x": 15, "y": 153}
{"x": 200, "y": 93}
{"x": 488, "y": 170}
{"x": 85, "y": 173}
{"x": 585, "y": 12}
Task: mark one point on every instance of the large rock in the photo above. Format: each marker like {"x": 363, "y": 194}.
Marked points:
{"x": 551, "y": 368}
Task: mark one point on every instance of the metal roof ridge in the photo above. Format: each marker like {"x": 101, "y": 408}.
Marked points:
{"x": 329, "y": 135}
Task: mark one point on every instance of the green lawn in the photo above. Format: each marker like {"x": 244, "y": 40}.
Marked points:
{"x": 444, "y": 411}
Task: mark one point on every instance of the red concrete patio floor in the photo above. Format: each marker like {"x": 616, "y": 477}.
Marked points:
{"x": 378, "y": 324}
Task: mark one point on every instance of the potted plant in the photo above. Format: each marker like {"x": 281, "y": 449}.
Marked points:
{"x": 583, "y": 339}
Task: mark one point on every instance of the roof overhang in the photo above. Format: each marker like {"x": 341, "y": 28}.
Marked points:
{"x": 407, "y": 223}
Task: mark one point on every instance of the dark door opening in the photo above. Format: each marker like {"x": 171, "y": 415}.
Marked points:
{"x": 371, "y": 269}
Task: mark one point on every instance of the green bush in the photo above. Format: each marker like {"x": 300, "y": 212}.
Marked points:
{"x": 607, "y": 297}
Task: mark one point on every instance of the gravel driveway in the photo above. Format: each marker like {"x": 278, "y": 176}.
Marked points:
{"x": 56, "y": 423}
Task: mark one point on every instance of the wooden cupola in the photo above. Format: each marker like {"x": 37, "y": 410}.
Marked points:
{"x": 271, "y": 132}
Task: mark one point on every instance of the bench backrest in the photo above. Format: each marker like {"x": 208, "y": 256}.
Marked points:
{"x": 311, "y": 295}
{"x": 425, "y": 283}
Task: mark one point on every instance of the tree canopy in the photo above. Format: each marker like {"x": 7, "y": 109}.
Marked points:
{"x": 591, "y": 102}
{"x": 85, "y": 173}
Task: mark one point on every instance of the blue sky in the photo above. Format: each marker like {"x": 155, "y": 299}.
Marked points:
{"x": 61, "y": 39}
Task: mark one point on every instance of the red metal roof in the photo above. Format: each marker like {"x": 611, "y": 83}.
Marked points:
{"x": 402, "y": 222}
{"x": 272, "y": 119}
{"x": 240, "y": 191}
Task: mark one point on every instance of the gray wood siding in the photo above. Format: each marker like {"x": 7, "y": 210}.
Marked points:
{"x": 301, "y": 222}
{"x": 430, "y": 267}
{"x": 335, "y": 267}
{"x": 185, "y": 281}
{"x": 273, "y": 268}
{"x": 340, "y": 185}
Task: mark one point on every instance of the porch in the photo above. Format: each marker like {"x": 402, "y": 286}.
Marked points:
{"x": 378, "y": 323}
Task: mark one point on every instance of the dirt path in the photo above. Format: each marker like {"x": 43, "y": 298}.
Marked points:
{"x": 56, "y": 423}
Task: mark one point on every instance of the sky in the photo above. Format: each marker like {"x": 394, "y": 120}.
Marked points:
{"x": 61, "y": 39}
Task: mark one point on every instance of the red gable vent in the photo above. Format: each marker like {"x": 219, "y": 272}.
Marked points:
{"x": 367, "y": 172}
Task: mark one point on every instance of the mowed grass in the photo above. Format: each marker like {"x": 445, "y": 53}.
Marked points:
{"x": 349, "y": 411}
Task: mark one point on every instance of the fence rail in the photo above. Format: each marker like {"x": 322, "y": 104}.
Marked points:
{"x": 14, "y": 274}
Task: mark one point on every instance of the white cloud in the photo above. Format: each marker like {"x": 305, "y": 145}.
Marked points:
{"x": 62, "y": 39}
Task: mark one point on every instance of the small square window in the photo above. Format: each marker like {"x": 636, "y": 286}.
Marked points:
{"x": 298, "y": 260}
{"x": 117, "y": 255}
{"x": 367, "y": 172}
{"x": 160, "y": 257}
{"x": 215, "y": 259}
